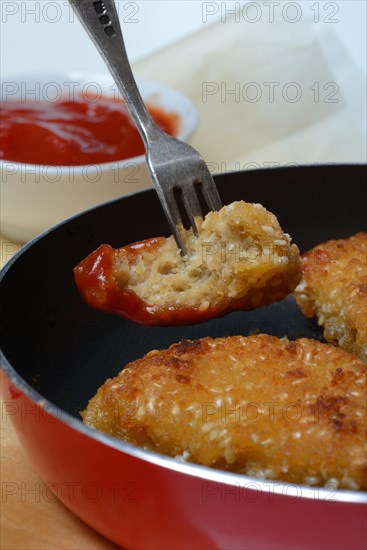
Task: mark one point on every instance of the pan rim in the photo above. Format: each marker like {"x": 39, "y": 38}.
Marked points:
{"x": 194, "y": 470}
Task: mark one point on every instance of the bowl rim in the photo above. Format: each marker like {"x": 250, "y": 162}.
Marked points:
{"x": 180, "y": 466}
{"x": 103, "y": 80}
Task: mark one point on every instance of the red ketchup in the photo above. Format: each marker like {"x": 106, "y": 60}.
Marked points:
{"x": 95, "y": 279}
{"x": 72, "y": 133}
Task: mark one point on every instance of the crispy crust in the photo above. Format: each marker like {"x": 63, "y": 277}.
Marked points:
{"x": 258, "y": 405}
{"x": 334, "y": 288}
{"x": 242, "y": 260}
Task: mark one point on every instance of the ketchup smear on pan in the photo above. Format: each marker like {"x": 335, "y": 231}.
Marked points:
{"x": 72, "y": 133}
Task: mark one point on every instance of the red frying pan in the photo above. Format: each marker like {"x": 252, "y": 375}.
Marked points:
{"x": 56, "y": 352}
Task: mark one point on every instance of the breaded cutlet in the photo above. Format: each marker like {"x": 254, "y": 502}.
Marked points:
{"x": 241, "y": 260}
{"x": 334, "y": 288}
{"x": 257, "y": 405}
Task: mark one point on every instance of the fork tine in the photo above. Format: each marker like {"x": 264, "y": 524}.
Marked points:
{"x": 210, "y": 192}
{"x": 192, "y": 205}
{"x": 175, "y": 165}
{"x": 173, "y": 216}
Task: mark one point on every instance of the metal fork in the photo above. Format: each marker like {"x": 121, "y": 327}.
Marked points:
{"x": 173, "y": 165}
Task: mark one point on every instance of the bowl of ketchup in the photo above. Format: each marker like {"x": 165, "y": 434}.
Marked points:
{"x": 67, "y": 143}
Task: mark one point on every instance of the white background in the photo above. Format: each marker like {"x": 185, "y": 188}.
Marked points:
{"x": 45, "y": 36}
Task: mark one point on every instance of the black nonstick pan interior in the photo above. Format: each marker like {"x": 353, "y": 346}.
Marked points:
{"x": 66, "y": 349}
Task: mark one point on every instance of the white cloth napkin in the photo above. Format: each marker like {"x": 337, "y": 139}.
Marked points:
{"x": 268, "y": 93}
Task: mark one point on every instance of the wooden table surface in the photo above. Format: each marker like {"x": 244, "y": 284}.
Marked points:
{"x": 29, "y": 519}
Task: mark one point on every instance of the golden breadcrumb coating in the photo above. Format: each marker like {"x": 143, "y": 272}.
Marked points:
{"x": 242, "y": 259}
{"x": 257, "y": 405}
{"x": 334, "y": 288}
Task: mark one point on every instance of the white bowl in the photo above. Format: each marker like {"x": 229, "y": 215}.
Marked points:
{"x": 35, "y": 197}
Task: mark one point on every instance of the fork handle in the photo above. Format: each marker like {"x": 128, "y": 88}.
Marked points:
{"x": 100, "y": 20}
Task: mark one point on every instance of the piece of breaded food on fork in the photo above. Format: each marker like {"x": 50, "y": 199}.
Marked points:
{"x": 334, "y": 289}
{"x": 241, "y": 260}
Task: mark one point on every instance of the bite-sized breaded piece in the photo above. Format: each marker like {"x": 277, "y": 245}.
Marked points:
{"x": 257, "y": 405}
{"x": 334, "y": 288}
{"x": 242, "y": 260}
